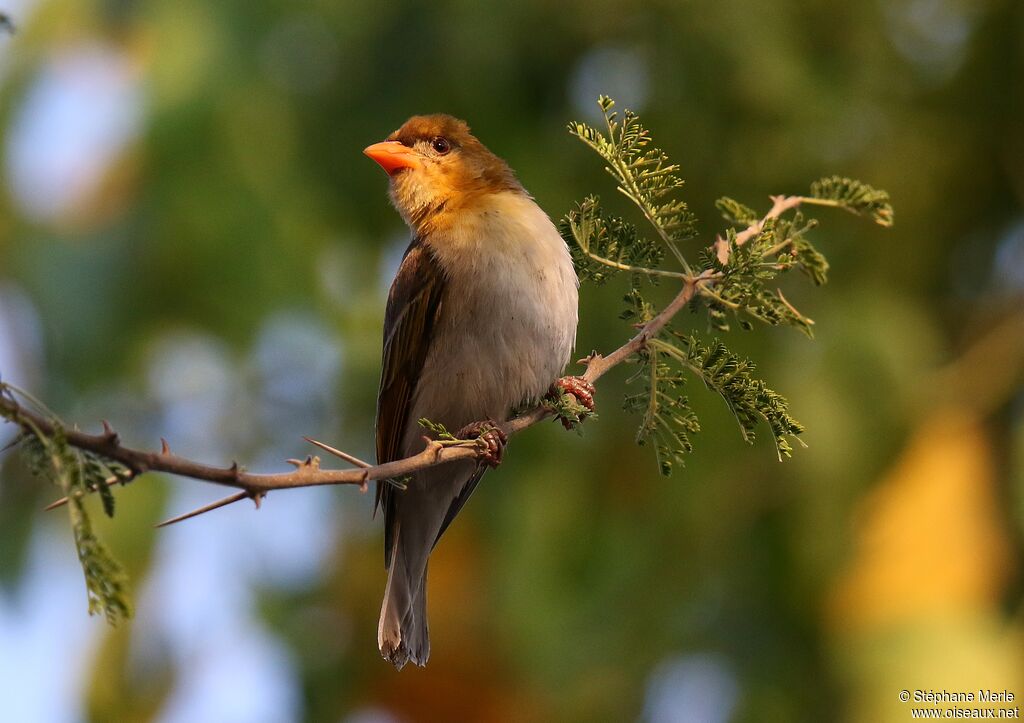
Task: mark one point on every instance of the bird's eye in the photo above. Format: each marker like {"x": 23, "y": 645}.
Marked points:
{"x": 441, "y": 145}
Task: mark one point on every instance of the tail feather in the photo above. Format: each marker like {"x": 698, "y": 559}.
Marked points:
{"x": 414, "y": 520}
{"x": 402, "y": 633}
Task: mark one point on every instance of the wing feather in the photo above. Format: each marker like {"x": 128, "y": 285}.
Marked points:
{"x": 413, "y": 306}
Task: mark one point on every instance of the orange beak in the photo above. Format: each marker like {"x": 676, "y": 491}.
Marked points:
{"x": 393, "y": 156}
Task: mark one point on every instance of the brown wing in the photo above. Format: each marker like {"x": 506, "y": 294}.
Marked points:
{"x": 412, "y": 309}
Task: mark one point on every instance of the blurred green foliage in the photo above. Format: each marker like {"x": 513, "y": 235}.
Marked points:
{"x": 577, "y": 578}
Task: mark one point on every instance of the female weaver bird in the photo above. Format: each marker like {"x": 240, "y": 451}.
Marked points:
{"x": 481, "y": 317}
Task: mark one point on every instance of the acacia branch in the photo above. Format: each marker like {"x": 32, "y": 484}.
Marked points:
{"x": 309, "y": 473}
{"x": 780, "y": 204}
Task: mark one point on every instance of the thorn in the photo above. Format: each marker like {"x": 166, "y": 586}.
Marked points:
{"x": 294, "y": 462}
{"x": 208, "y": 508}
{"x": 257, "y": 498}
{"x": 165, "y": 449}
{"x": 110, "y": 482}
{"x": 364, "y": 485}
{"x": 397, "y": 484}
{"x": 592, "y": 356}
{"x": 784, "y": 300}
{"x": 338, "y": 453}
{"x": 110, "y": 434}
{"x": 55, "y": 504}
{"x": 13, "y": 443}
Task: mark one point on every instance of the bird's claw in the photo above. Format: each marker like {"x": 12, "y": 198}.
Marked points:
{"x": 492, "y": 438}
{"x": 581, "y": 390}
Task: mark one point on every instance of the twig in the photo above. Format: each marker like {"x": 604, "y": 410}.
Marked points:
{"x": 636, "y": 269}
{"x": 780, "y": 204}
{"x": 598, "y": 365}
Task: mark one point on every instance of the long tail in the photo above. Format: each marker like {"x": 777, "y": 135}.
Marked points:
{"x": 402, "y": 633}
{"x": 415, "y": 520}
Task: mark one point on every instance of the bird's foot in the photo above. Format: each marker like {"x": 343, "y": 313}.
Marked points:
{"x": 491, "y": 437}
{"x": 572, "y": 400}
{"x": 579, "y": 388}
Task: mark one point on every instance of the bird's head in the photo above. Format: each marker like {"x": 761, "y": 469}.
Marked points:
{"x": 438, "y": 168}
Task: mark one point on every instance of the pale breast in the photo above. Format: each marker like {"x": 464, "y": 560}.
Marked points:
{"x": 507, "y": 322}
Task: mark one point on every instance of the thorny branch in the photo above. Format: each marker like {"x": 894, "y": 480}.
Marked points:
{"x": 309, "y": 473}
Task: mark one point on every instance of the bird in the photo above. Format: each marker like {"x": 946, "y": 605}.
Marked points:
{"x": 481, "y": 317}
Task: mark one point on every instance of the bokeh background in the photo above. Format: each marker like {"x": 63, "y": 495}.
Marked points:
{"x": 192, "y": 246}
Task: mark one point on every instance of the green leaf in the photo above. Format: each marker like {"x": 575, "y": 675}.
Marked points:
{"x": 105, "y": 579}
{"x": 735, "y": 212}
{"x": 643, "y": 173}
{"x": 638, "y": 310}
{"x": 743, "y": 286}
{"x": 853, "y": 196}
{"x": 667, "y": 421}
{"x": 568, "y": 410}
{"x": 749, "y": 399}
{"x": 603, "y": 245}
{"x": 77, "y": 473}
{"x": 439, "y": 430}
